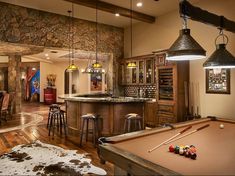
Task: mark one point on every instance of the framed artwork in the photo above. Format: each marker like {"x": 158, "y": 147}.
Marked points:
{"x": 96, "y": 82}
{"x": 218, "y": 81}
{"x": 160, "y": 60}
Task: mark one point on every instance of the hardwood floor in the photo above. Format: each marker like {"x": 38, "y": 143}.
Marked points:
{"x": 40, "y": 132}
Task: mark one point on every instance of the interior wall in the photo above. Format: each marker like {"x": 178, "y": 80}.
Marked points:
{"x": 58, "y": 68}
{"x": 161, "y": 34}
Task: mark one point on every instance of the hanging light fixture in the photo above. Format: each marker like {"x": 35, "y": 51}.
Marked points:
{"x": 185, "y": 47}
{"x": 220, "y": 58}
{"x": 72, "y": 67}
{"x": 95, "y": 67}
{"x": 131, "y": 64}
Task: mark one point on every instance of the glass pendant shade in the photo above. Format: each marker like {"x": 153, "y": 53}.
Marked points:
{"x": 72, "y": 67}
{"x": 96, "y": 65}
{"x": 220, "y": 58}
{"x": 131, "y": 65}
{"x": 185, "y": 48}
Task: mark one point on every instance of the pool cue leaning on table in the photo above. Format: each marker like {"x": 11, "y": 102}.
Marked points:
{"x": 191, "y": 132}
{"x": 181, "y": 132}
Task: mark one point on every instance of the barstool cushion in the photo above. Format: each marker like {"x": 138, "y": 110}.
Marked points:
{"x": 133, "y": 116}
{"x": 89, "y": 115}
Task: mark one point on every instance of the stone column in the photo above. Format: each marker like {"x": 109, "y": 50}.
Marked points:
{"x": 14, "y": 85}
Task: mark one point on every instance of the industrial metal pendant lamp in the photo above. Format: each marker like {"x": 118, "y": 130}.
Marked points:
{"x": 72, "y": 67}
{"x": 220, "y": 58}
{"x": 131, "y": 64}
{"x": 185, "y": 47}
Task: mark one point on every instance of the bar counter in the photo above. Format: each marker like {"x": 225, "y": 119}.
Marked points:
{"x": 111, "y": 109}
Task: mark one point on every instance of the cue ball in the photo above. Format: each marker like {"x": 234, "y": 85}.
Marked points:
{"x": 221, "y": 126}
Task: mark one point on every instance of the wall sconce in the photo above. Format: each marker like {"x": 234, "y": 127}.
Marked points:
{"x": 220, "y": 58}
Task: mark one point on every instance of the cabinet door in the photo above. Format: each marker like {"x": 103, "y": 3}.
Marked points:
{"x": 149, "y": 71}
{"x": 134, "y": 75}
{"x": 141, "y": 72}
{"x": 128, "y": 74}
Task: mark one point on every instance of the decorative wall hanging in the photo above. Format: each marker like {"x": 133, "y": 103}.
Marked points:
{"x": 218, "y": 81}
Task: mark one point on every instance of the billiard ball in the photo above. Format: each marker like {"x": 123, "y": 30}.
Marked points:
{"x": 181, "y": 151}
{"x": 221, "y": 126}
{"x": 177, "y": 148}
{"x": 193, "y": 156}
{"x": 171, "y": 148}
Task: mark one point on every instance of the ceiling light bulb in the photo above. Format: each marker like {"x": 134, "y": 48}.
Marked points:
{"x": 117, "y": 14}
{"x": 48, "y": 58}
{"x": 139, "y": 4}
{"x": 46, "y": 55}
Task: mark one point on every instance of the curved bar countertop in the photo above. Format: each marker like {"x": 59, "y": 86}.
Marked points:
{"x": 84, "y": 98}
{"x": 112, "y": 111}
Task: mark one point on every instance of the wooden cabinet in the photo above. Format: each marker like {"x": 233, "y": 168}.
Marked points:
{"x": 142, "y": 74}
{"x": 150, "y": 111}
{"x": 49, "y": 96}
{"x": 171, "y": 95}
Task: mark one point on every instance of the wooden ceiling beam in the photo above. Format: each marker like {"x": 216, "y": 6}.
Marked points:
{"x": 111, "y": 8}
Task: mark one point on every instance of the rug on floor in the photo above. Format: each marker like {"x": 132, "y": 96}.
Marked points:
{"x": 44, "y": 159}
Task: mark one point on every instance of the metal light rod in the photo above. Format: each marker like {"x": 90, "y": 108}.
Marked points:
{"x": 203, "y": 16}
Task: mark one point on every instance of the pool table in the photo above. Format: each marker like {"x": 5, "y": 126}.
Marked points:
{"x": 215, "y": 150}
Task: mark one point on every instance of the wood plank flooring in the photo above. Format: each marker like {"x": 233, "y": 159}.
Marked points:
{"x": 40, "y": 132}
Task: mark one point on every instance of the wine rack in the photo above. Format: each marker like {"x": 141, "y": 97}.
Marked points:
{"x": 165, "y": 76}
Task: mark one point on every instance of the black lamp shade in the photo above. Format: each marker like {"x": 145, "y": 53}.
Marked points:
{"x": 185, "y": 48}
{"x": 221, "y": 58}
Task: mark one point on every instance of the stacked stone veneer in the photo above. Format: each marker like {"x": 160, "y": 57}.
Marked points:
{"x": 33, "y": 27}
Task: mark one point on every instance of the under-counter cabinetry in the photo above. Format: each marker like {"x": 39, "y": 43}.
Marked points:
{"x": 150, "y": 111}
{"x": 171, "y": 94}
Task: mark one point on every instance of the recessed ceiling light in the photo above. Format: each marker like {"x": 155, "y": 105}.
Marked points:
{"x": 48, "y": 58}
{"x": 117, "y": 14}
{"x": 139, "y": 4}
{"x": 46, "y": 55}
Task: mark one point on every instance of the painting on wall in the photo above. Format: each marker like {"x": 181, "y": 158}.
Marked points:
{"x": 96, "y": 82}
{"x": 35, "y": 87}
{"x": 218, "y": 81}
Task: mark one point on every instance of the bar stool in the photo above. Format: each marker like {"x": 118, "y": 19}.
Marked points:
{"x": 93, "y": 118}
{"x": 57, "y": 120}
{"x": 54, "y": 120}
{"x": 51, "y": 108}
{"x": 130, "y": 119}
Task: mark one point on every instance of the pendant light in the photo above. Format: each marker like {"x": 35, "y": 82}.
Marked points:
{"x": 220, "y": 58}
{"x": 72, "y": 67}
{"x": 185, "y": 47}
{"x": 131, "y": 64}
{"x": 95, "y": 67}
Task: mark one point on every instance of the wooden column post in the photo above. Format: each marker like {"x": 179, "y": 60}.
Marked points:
{"x": 14, "y": 85}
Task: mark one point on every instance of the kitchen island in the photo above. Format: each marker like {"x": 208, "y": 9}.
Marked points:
{"x": 111, "y": 109}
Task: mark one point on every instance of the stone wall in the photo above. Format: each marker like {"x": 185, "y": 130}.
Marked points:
{"x": 33, "y": 27}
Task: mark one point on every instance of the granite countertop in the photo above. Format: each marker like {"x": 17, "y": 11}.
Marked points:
{"x": 99, "y": 98}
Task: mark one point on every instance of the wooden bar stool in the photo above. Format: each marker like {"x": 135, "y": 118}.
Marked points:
{"x": 51, "y": 108}
{"x": 132, "y": 119}
{"x": 57, "y": 120}
{"x": 93, "y": 118}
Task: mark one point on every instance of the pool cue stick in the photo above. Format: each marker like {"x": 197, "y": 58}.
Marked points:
{"x": 170, "y": 139}
{"x": 191, "y": 132}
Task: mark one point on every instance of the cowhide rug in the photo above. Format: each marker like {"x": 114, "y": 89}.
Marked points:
{"x": 44, "y": 159}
